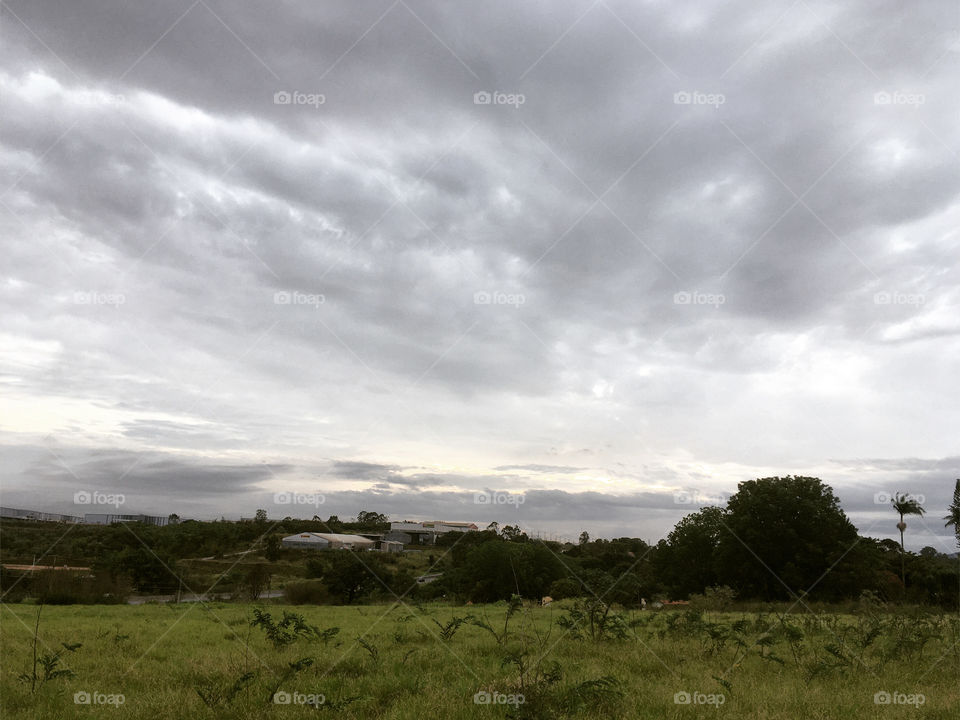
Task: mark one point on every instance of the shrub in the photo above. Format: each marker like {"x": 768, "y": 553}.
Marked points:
{"x": 54, "y": 587}
{"x": 307, "y": 592}
{"x": 716, "y": 598}
{"x": 564, "y": 588}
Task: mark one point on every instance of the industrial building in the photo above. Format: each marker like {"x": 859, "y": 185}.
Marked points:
{"x": 327, "y": 541}
{"x": 87, "y": 519}
{"x": 110, "y": 518}
{"x": 425, "y": 533}
{"x": 18, "y": 514}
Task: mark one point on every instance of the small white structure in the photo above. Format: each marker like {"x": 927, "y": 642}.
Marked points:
{"x": 327, "y": 541}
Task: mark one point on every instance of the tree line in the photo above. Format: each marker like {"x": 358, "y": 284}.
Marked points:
{"x": 776, "y": 539}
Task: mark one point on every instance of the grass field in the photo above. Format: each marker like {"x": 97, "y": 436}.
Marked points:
{"x": 208, "y": 661}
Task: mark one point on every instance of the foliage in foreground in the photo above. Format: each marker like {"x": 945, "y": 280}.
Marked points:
{"x": 572, "y": 659}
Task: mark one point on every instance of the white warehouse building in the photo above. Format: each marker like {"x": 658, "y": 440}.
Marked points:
{"x": 327, "y": 541}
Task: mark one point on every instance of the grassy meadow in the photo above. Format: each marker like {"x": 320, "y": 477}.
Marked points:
{"x": 568, "y": 659}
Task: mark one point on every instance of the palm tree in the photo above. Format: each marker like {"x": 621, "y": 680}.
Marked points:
{"x": 953, "y": 517}
{"x": 905, "y": 504}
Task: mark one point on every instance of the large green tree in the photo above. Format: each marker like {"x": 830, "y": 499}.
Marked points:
{"x": 148, "y": 571}
{"x": 781, "y": 538}
{"x": 496, "y": 569}
{"x": 348, "y": 575}
{"x": 686, "y": 562}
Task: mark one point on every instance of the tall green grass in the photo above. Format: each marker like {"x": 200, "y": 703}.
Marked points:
{"x": 569, "y": 659}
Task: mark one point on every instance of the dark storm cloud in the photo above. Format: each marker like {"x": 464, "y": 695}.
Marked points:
{"x": 618, "y": 267}
{"x": 159, "y": 473}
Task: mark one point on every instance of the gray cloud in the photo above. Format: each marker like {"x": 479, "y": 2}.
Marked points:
{"x": 675, "y": 292}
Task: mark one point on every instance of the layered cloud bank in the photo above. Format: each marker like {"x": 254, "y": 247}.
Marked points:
{"x": 606, "y": 256}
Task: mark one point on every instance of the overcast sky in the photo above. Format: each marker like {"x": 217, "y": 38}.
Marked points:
{"x": 602, "y": 259}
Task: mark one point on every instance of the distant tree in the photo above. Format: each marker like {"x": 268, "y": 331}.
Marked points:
{"x": 584, "y": 538}
{"x": 953, "y": 516}
{"x": 348, "y": 576}
{"x": 173, "y": 519}
{"x": 371, "y": 518}
{"x": 494, "y": 527}
{"x": 904, "y": 504}
{"x": 271, "y": 547}
{"x": 512, "y": 532}
{"x": 496, "y": 570}
{"x": 261, "y": 516}
{"x": 149, "y": 571}
{"x": 780, "y": 538}
{"x": 256, "y": 580}
{"x": 333, "y": 524}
